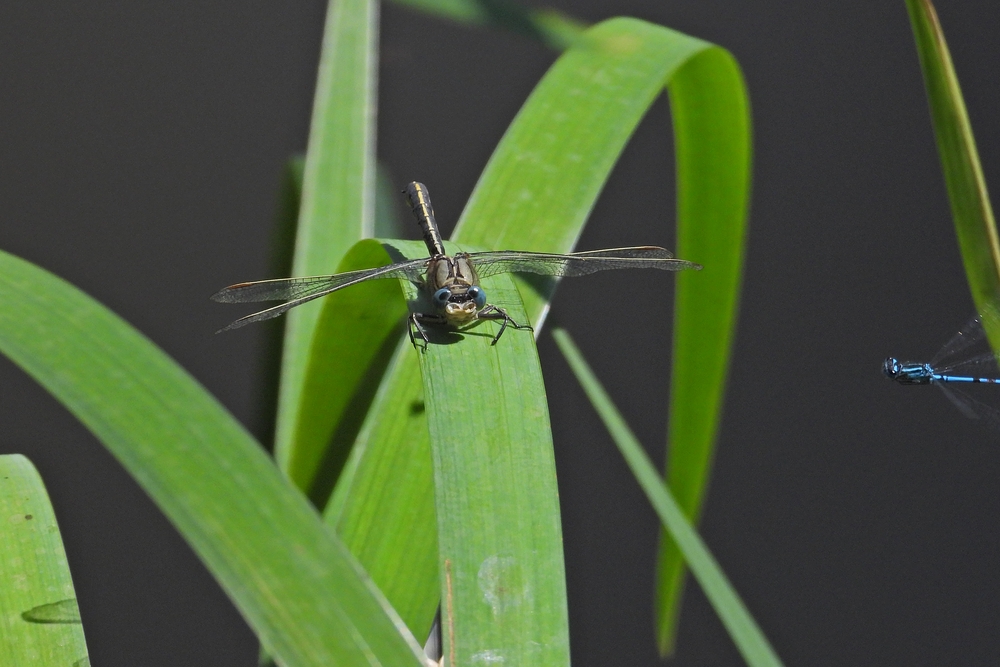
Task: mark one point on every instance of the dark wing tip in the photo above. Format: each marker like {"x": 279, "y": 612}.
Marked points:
{"x": 225, "y": 295}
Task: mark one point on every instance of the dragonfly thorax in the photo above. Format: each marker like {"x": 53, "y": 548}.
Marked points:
{"x": 909, "y": 372}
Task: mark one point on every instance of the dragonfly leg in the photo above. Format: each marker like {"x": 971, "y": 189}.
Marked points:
{"x": 491, "y": 312}
{"x": 415, "y": 323}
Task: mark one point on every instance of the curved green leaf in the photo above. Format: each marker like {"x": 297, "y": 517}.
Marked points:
{"x": 289, "y": 576}
{"x": 551, "y": 166}
{"x": 749, "y": 639}
{"x": 39, "y": 618}
{"x": 963, "y": 174}
{"x": 536, "y": 194}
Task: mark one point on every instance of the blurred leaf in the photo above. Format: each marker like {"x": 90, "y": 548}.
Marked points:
{"x": 963, "y": 175}
{"x": 338, "y": 207}
{"x": 388, "y": 224}
{"x": 292, "y": 580}
{"x": 282, "y": 249}
{"x": 551, "y": 27}
{"x": 39, "y": 618}
{"x": 749, "y": 639}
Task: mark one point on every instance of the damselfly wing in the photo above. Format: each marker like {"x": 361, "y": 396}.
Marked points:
{"x": 965, "y": 360}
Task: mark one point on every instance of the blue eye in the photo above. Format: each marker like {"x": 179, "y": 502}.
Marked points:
{"x": 478, "y": 295}
{"x": 441, "y": 296}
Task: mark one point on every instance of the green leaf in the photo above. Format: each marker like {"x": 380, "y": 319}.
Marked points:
{"x": 503, "y": 584}
{"x": 712, "y": 135}
{"x": 338, "y": 198}
{"x": 551, "y": 166}
{"x": 39, "y": 618}
{"x": 963, "y": 174}
{"x": 536, "y": 194}
{"x": 749, "y": 639}
{"x": 289, "y": 576}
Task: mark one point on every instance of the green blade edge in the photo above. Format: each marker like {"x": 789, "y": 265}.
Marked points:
{"x": 742, "y": 628}
{"x": 963, "y": 173}
{"x": 289, "y": 576}
{"x": 39, "y": 618}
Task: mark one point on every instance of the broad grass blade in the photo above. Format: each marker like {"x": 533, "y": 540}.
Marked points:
{"x": 503, "y": 584}
{"x": 338, "y": 198}
{"x": 39, "y": 618}
{"x": 290, "y": 577}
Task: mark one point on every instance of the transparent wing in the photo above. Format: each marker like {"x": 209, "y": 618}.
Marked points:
{"x": 300, "y": 290}
{"x": 577, "y": 263}
{"x": 967, "y": 353}
{"x": 973, "y": 409}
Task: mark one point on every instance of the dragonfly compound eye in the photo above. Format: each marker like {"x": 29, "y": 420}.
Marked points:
{"x": 890, "y": 367}
{"x": 478, "y": 296}
{"x": 441, "y": 296}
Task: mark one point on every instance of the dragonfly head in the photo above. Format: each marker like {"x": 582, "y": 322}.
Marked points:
{"x": 459, "y": 303}
{"x": 891, "y": 367}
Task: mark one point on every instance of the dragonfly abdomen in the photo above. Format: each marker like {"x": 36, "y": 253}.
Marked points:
{"x": 420, "y": 204}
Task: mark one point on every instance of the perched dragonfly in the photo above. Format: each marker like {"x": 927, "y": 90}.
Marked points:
{"x": 965, "y": 359}
{"x": 451, "y": 281}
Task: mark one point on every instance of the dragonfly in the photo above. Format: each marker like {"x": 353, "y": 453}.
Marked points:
{"x": 965, "y": 359}
{"x": 451, "y": 281}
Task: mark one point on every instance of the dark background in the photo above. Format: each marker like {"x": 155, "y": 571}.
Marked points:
{"x": 140, "y": 150}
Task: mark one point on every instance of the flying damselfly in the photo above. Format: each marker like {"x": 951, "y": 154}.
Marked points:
{"x": 451, "y": 281}
{"x": 965, "y": 359}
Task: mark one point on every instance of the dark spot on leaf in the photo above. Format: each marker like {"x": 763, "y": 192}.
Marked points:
{"x": 417, "y": 408}
{"x": 28, "y": 517}
{"x": 64, "y": 611}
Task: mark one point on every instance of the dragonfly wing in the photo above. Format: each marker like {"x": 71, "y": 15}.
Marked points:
{"x": 262, "y": 315}
{"x": 987, "y": 415}
{"x": 967, "y": 353}
{"x": 284, "y": 289}
{"x": 969, "y": 341}
{"x": 960, "y": 400}
{"x": 578, "y": 263}
{"x": 301, "y": 290}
